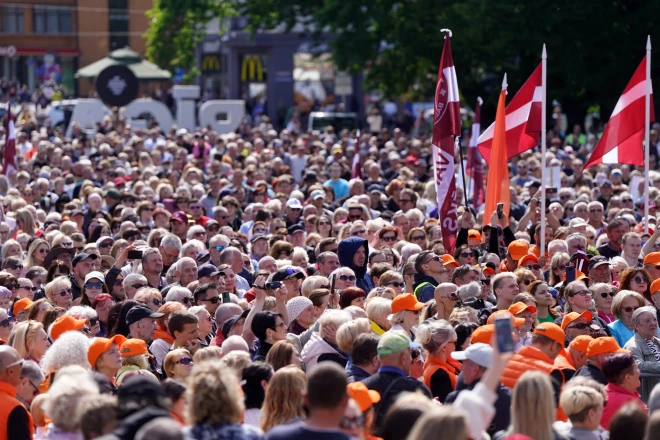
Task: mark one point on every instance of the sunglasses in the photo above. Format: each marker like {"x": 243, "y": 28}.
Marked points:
{"x": 199, "y": 234}
{"x": 630, "y": 309}
{"x": 66, "y": 292}
{"x": 360, "y": 232}
{"x": 350, "y": 278}
{"x": 421, "y": 238}
{"x": 213, "y": 300}
{"x": 534, "y": 266}
{"x": 7, "y": 322}
{"x": 139, "y": 286}
{"x": 196, "y": 207}
{"x": 466, "y": 254}
{"x": 606, "y": 294}
{"x": 186, "y": 300}
{"x": 580, "y": 326}
{"x": 640, "y": 280}
{"x": 260, "y": 231}
{"x": 396, "y": 284}
{"x": 389, "y": 238}
{"x": 43, "y": 251}
{"x": 434, "y": 258}
{"x": 105, "y": 245}
{"x": 34, "y": 289}
{"x": 16, "y": 266}
{"x": 220, "y": 248}
{"x": 526, "y": 282}
{"x": 324, "y": 223}
{"x": 213, "y": 228}
{"x": 185, "y": 361}
{"x": 355, "y": 217}
{"x": 93, "y": 285}
{"x": 93, "y": 321}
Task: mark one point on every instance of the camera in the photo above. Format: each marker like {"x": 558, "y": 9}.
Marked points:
{"x": 273, "y": 285}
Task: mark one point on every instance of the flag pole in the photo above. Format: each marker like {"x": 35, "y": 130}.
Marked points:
{"x": 647, "y": 131}
{"x": 544, "y": 62}
{"x": 457, "y": 144}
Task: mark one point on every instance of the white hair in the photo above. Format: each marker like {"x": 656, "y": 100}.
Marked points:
{"x": 196, "y": 244}
{"x": 234, "y": 343}
{"x": 177, "y": 293}
{"x": 356, "y": 312}
{"x": 196, "y": 310}
{"x": 378, "y": 308}
{"x": 409, "y": 250}
{"x": 63, "y": 399}
{"x": 179, "y": 264}
{"x": 171, "y": 241}
{"x": 193, "y": 230}
{"x": 80, "y": 312}
{"x": 69, "y": 349}
{"x": 335, "y": 317}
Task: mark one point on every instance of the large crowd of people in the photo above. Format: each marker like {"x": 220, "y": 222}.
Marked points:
{"x": 164, "y": 284}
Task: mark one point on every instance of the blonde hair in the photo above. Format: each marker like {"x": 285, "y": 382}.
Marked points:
{"x": 347, "y": 332}
{"x": 214, "y": 395}
{"x": 533, "y": 406}
{"x": 284, "y": 398}
{"x": 139, "y": 360}
{"x": 378, "y": 308}
{"x": 24, "y": 334}
{"x": 578, "y": 400}
{"x": 171, "y": 359}
{"x": 312, "y": 283}
{"x": 433, "y": 335}
{"x": 29, "y": 260}
{"x": 236, "y": 360}
{"x": 207, "y": 354}
{"x": 59, "y": 283}
{"x": 447, "y": 419}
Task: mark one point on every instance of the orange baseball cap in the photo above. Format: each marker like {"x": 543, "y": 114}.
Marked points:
{"x": 570, "y": 317}
{"x": 604, "y": 345}
{"x": 101, "y": 345}
{"x": 581, "y": 343}
{"x": 364, "y": 397}
{"x": 473, "y": 234}
{"x": 406, "y": 301}
{"x": 518, "y": 249}
{"x": 527, "y": 258}
{"x": 520, "y": 307}
{"x": 488, "y": 271}
{"x": 652, "y": 258}
{"x": 133, "y": 347}
{"x": 552, "y": 331}
{"x": 516, "y": 322}
{"x": 448, "y": 260}
{"x": 64, "y": 324}
{"x": 483, "y": 334}
{"x": 20, "y": 305}
{"x": 655, "y": 286}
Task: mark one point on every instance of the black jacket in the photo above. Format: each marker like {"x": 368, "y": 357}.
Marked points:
{"x": 502, "y": 406}
{"x": 129, "y": 426}
{"x": 346, "y": 250}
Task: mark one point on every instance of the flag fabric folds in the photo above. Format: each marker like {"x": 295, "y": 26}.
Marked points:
{"x": 446, "y": 127}
{"x": 474, "y": 160}
{"x": 523, "y": 120}
{"x": 497, "y": 190}
{"x": 622, "y": 140}
{"x": 9, "y": 162}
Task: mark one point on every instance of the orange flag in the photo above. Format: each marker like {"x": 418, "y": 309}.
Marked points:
{"x": 497, "y": 189}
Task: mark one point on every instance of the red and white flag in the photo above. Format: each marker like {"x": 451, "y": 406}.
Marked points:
{"x": 446, "y": 128}
{"x": 523, "y": 120}
{"x": 9, "y": 162}
{"x": 474, "y": 160}
{"x": 356, "y": 168}
{"x": 623, "y": 137}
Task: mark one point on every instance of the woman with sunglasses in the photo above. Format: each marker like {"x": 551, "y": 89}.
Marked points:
{"x": 440, "y": 370}
{"x": 204, "y": 325}
{"x": 89, "y": 314}
{"x": 393, "y": 280}
{"x": 102, "y": 305}
{"x": 178, "y": 364}
{"x": 417, "y": 236}
{"x": 544, "y": 301}
{"x": 324, "y": 226}
{"x": 624, "y": 303}
{"x": 59, "y": 292}
{"x": 6, "y": 325}
{"x": 466, "y": 255}
{"x": 30, "y": 340}
{"x": 13, "y": 265}
{"x": 603, "y": 294}
{"x": 388, "y": 236}
{"x": 524, "y": 278}
{"x": 637, "y": 280}
{"x": 558, "y": 267}
{"x": 93, "y": 286}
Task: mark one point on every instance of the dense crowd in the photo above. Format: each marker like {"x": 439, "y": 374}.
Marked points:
{"x": 166, "y": 284}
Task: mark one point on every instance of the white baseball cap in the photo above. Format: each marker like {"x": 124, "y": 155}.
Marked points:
{"x": 317, "y": 194}
{"x": 577, "y": 222}
{"x": 294, "y": 204}
{"x": 479, "y": 353}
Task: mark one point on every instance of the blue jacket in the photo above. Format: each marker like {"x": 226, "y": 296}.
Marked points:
{"x": 346, "y": 250}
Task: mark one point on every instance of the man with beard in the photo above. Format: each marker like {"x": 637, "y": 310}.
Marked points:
{"x": 615, "y": 232}
{"x": 152, "y": 267}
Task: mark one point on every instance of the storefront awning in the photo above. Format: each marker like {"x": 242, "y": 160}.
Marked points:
{"x": 143, "y": 69}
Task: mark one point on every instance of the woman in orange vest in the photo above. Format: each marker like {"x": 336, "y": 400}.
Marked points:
{"x": 440, "y": 370}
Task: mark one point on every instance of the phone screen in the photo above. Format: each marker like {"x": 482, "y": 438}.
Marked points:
{"x": 503, "y": 333}
{"x": 570, "y": 274}
{"x": 500, "y": 209}
{"x": 225, "y": 298}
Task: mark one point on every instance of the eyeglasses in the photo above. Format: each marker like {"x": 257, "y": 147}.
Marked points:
{"x": 7, "y": 322}
{"x": 533, "y": 266}
{"x": 186, "y": 300}
{"x": 105, "y": 245}
{"x": 581, "y": 292}
{"x": 139, "y": 286}
{"x": 15, "y": 266}
{"x": 34, "y": 289}
{"x": 580, "y": 326}
{"x": 350, "y": 422}
{"x": 350, "y": 278}
{"x": 630, "y": 309}
{"x": 280, "y": 325}
{"x": 360, "y": 232}
{"x": 420, "y": 238}
{"x": 34, "y": 388}
{"x": 466, "y": 254}
{"x": 213, "y": 300}
{"x": 389, "y": 238}
{"x": 199, "y": 234}
{"x": 396, "y": 284}
{"x": 220, "y": 248}
{"x": 185, "y": 361}
{"x": 66, "y": 292}
{"x": 606, "y": 294}
{"x": 93, "y": 285}
{"x": 639, "y": 280}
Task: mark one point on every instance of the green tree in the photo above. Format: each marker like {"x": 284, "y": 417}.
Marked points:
{"x": 177, "y": 27}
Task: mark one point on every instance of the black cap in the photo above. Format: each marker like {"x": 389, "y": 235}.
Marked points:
{"x": 82, "y": 257}
{"x": 138, "y": 387}
{"x": 207, "y": 270}
{"x": 231, "y": 322}
{"x": 287, "y": 272}
{"x": 376, "y": 188}
{"x": 139, "y": 312}
{"x": 598, "y": 260}
{"x": 295, "y": 228}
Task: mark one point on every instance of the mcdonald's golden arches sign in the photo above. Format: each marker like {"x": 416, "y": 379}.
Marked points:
{"x": 210, "y": 63}
{"x": 252, "y": 68}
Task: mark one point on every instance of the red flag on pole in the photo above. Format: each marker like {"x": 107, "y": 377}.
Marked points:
{"x": 446, "y": 127}
{"x": 523, "y": 120}
{"x": 474, "y": 160}
{"x": 498, "y": 171}
{"x": 622, "y": 139}
{"x": 9, "y": 158}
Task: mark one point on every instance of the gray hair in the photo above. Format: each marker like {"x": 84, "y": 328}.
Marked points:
{"x": 171, "y": 241}
{"x": 81, "y": 312}
{"x": 64, "y": 397}
{"x": 433, "y": 335}
{"x": 469, "y": 292}
{"x": 577, "y": 236}
{"x": 198, "y": 245}
{"x": 179, "y": 264}
{"x": 32, "y": 371}
{"x": 636, "y": 316}
{"x": 409, "y": 250}
{"x": 133, "y": 278}
{"x": 195, "y": 229}
{"x": 69, "y": 349}
{"x": 177, "y": 293}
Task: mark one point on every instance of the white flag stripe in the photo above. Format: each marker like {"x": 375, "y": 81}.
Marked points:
{"x": 452, "y": 84}
{"x": 612, "y": 156}
{"x": 474, "y": 139}
{"x": 12, "y": 131}
{"x": 632, "y": 95}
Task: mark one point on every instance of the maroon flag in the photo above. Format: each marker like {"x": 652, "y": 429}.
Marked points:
{"x": 9, "y": 158}
{"x": 446, "y": 128}
{"x": 474, "y": 160}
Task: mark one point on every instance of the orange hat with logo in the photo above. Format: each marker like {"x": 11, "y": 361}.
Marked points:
{"x": 655, "y": 286}
{"x": 581, "y": 343}
{"x": 364, "y": 397}
{"x": 20, "y": 305}
{"x": 518, "y": 249}
{"x": 448, "y": 260}
{"x": 406, "y": 301}
{"x": 527, "y": 258}
{"x": 134, "y": 347}
{"x": 520, "y": 307}
{"x": 570, "y": 317}
{"x": 64, "y": 324}
{"x": 516, "y": 322}
{"x": 604, "y": 345}
{"x": 652, "y": 258}
{"x": 473, "y": 234}
{"x": 101, "y": 345}
{"x": 552, "y": 331}
{"x": 483, "y": 334}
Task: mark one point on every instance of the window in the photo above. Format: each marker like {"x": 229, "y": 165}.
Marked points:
{"x": 12, "y": 19}
{"x": 52, "y": 20}
{"x": 118, "y": 23}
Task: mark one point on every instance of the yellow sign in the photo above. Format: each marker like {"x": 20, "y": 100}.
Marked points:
{"x": 252, "y": 69}
{"x": 210, "y": 63}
